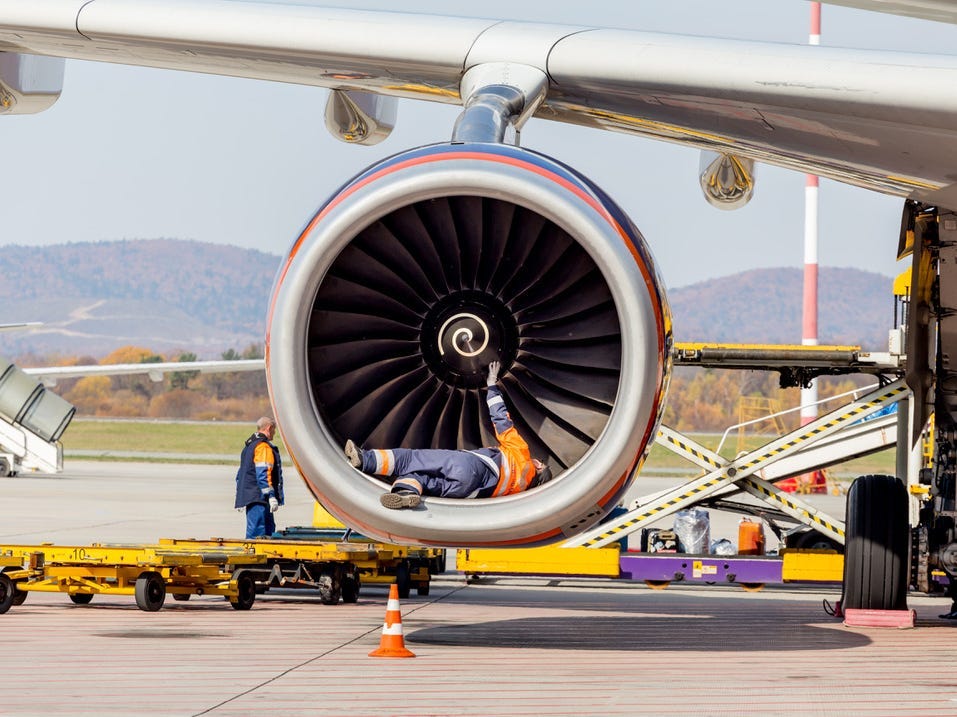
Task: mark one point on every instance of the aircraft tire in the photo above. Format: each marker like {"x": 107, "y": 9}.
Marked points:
{"x": 877, "y": 544}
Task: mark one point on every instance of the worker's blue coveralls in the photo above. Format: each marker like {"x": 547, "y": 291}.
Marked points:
{"x": 259, "y": 477}
{"x": 482, "y": 473}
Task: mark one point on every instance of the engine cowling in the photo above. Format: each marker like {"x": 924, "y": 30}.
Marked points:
{"x": 418, "y": 273}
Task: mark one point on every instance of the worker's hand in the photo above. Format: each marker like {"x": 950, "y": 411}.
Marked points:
{"x": 493, "y": 369}
{"x": 273, "y": 504}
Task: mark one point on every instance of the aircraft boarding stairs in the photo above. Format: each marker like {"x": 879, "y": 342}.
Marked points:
{"x": 851, "y": 431}
{"x": 32, "y": 419}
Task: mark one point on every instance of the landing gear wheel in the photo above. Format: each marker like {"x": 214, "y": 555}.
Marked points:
{"x": 6, "y": 593}
{"x": 877, "y": 543}
{"x": 330, "y": 588}
{"x": 657, "y": 584}
{"x": 150, "y": 591}
{"x": 350, "y": 587}
{"x": 245, "y": 592}
{"x": 81, "y": 598}
{"x": 403, "y": 580}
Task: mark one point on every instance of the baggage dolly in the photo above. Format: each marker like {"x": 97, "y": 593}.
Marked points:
{"x": 334, "y": 569}
{"x": 147, "y": 572}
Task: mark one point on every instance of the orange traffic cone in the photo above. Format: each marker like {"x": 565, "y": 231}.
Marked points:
{"x": 392, "y": 643}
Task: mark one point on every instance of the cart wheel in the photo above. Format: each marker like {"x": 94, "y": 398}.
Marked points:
{"x": 752, "y": 587}
{"x": 403, "y": 580}
{"x": 422, "y": 588}
{"x": 245, "y": 592}
{"x": 5, "y": 468}
{"x": 81, "y": 598}
{"x": 181, "y": 597}
{"x": 150, "y": 591}
{"x": 657, "y": 584}
{"x": 330, "y": 588}
{"x": 19, "y": 596}
{"x": 6, "y": 593}
{"x": 350, "y": 587}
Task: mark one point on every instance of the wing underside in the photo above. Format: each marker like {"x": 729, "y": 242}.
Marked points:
{"x": 881, "y": 120}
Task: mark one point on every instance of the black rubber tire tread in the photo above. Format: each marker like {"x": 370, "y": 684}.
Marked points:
{"x": 422, "y": 588}
{"x": 330, "y": 588}
{"x": 81, "y": 598}
{"x": 877, "y": 545}
{"x": 180, "y": 597}
{"x": 403, "y": 580}
{"x": 19, "y": 596}
{"x": 150, "y": 591}
{"x": 813, "y": 540}
{"x": 6, "y": 593}
{"x": 246, "y": 592}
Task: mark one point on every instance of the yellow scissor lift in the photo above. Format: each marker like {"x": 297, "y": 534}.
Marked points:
{"x": 752, "y": 472}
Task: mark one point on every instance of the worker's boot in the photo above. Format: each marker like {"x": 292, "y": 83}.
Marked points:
{"x": 353, "y": 455}
{"x": 403, "y": 499}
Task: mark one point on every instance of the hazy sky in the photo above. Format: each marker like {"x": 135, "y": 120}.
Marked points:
{"x": 138, "y": 153}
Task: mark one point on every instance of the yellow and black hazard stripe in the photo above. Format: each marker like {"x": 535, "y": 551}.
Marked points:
{"x": 782, "y": 498}
{"x": 691, "y": 451}
{"x": 852, "y": 413}
{"x": 730, "y": 474}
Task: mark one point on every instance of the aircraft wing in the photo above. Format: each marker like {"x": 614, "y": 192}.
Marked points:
{"x": 938, "y": 10}
{"x": 50, "y": 374}
{"x": 880, "y": 120}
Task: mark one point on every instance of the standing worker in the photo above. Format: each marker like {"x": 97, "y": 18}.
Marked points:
{"x": 483, "y": 473}
{"x": 259, "y": 480}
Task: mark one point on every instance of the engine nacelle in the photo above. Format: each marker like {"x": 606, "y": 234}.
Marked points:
{"x": 417, "y": 274}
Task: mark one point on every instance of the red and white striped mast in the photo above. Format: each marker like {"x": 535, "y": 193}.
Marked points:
{"x": 809, "y": 323}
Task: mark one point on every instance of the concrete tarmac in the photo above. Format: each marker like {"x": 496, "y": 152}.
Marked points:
{"x": 507, "y": 646}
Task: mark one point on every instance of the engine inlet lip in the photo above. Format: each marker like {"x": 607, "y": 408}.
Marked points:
{"x": 586, "y": 489}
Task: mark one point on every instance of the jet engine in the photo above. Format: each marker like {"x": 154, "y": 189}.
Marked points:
{"x": 410, "y": 280}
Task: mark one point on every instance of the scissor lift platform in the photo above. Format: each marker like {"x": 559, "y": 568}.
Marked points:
{"x": 656, "y": 570}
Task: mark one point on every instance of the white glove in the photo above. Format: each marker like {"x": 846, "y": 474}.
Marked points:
{"x": 273, "y": 504}
{"x": 493, "y": 369}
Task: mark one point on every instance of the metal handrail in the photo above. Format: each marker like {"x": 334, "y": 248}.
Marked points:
{"x": 853, "y": 393}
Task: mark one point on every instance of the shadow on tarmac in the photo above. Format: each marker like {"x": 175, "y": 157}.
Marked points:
{"x": 685, "y": 633}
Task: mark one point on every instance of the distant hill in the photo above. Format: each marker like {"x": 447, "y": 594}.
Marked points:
{"x": 163, "y": 294}
{"x": 171, "y": 294}
{"x": 764, "y": 305}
